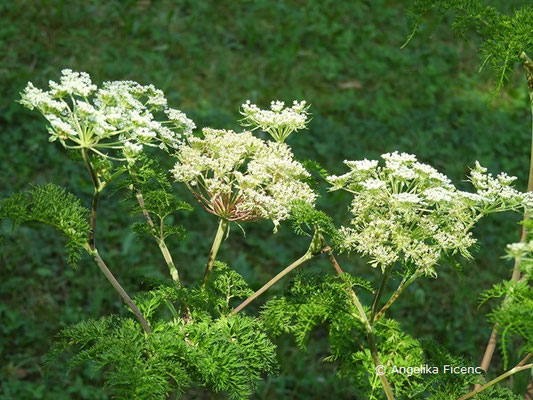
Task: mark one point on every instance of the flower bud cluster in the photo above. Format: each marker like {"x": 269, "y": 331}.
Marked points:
{"x": 121, "y": 116}
{"x": 240, "y": 177}
{"x": 406, "y": 211}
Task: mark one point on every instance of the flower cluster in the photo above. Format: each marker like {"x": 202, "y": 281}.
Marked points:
{"x": 279, "y": 121}
{"x": 498, "y": 192}
{"x": 240, "y": 177}
{"x": 120, "y": 116}
{"x": 520, "y": 250}
{"x": 409, "y": 212}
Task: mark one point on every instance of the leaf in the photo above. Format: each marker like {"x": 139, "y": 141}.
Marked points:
{"x": 51, "y": 205}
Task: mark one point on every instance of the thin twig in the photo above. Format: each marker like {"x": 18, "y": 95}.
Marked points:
{"x": 381, "y": 290}
{"x": 521, "y": 366}
{"x": 95, "y": 200}
{"x": 401, "y": 287}
{"x": 314, "y": 249}
{"x": 159, "y": 237}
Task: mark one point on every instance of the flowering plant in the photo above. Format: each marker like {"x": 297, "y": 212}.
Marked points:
{"x": 409, "y": 211}
{"x": 406, "y": 216}
{"x": 279, "y": 121}
{"x": 117, "y": 117}
{"x": 239, "y": 177}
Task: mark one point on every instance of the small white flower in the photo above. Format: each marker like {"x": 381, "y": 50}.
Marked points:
{"x": 361, "y": 165}
{"x": 408, "y": 211}
{"x": 133, "y": 148}
{"x": 438, "y": 194}
{"x": 406, "y": 198}
{"x": 404, "y": 172}
{"x": 72, "y": 83}
{"x": 181, "y": 121}
{"x": 279, "y": 122}
{"x": 399, "y": 158}
{"x": 120, "y": 116}
{"x": 62, "y": 128}
{"x": 240, "y": 177}
{"x": 277, "y": 106}
{"x": 373, "y": 184}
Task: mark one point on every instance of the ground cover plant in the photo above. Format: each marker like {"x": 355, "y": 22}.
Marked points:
{"x": 59, "y": 296}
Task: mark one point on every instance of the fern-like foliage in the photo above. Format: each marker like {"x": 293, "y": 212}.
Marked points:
{"x": 313, "y": 166}
{"x": 504, "y": 37}
{"x": 309, "y": 301}
{"x": 306, "y": 220}
{"x": 497, "y": 392}
{"x": 227, "y": 354}
{"x": 148, "y": 179}
{"x": 313, "y": 301}
{"x": 446, "y": 386}
{"x": 194, "y": 341}
{"x": 514, "y": 316}
{"x": 224, "y": 285}
{"x": 323, "y": 300}
{"x": 52, "y": 205}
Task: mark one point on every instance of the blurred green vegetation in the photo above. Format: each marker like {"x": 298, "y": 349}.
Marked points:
{"x": 368, "y": 97}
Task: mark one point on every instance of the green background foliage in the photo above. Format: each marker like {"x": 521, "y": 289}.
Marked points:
{"x": 368, "y": 97}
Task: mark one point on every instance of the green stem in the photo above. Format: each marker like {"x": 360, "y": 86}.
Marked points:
{"x": 326, "y": 249}
{"x": 94, "y": 209}
{"x": 521, "y": 366}
{"x": 375, "y": 356}
{"x": 401, "y": 287}
{"x": 381, "y": 290}
{"x": 91, "y": 248}
{"x": 127, "y": 299}
{"x": 119, "y": 172}
{"x": 168, "y": 259}
{"x": 369, "y": 330}
{"x": 95, "y": 200}
{"x": 493, "y": 340}
{"x": 372, "y": 344}
{"x": 315, "y": 247}
{"x": 159, "y": 238}
{"x": 307, "y": 256}
{"x": 221, "y": 232}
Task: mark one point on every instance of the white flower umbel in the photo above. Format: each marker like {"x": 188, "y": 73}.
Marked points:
{"x": 406, "y": 211}
{"x": 239, "y": 177}
{"x": 279, "y": 121}
{"x": 115, "y": 121}
{"x": 522, "y": 253}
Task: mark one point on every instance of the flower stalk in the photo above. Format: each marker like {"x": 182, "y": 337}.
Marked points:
{"x": 159, "y": 238}
{"x": 314, "y": 249}
{"x": 93, "y": 251}
{"x": 118, "y": 287}
{"x": 369, "y": 327}
{"x": 399, "y": 290}
{"x": 493, "y": 339}
{"x": 521, "y": 366}
{"x": 95, "y": 200}
{"x": 379, "y": 294}
{"x": 222, "y": 230}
